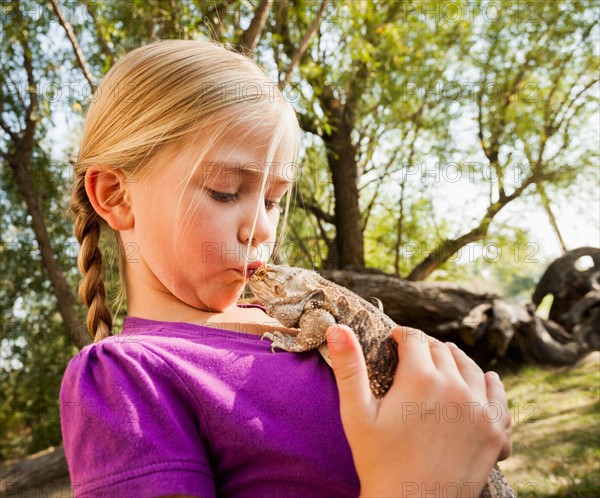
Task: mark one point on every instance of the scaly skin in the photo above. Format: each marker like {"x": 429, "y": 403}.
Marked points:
{"x": 303, "y": 299}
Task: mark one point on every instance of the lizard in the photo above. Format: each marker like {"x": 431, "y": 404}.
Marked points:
{"x": 300, "y": 298}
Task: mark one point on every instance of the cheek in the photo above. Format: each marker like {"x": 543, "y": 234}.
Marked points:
{"x": 203, "y": 235}
{"x": 154, "y": 227}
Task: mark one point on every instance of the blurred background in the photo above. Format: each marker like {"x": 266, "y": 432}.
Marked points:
{"x": 444, "y": 142}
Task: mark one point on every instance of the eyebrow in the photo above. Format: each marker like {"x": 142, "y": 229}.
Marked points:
{"x": 238, "y": 167}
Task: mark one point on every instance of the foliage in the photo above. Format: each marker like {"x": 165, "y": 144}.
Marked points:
{"x": 457, "y": 100}
{"x": 35, "y": 350}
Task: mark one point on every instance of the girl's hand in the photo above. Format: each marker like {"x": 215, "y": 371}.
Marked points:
{"x": 438, "y": 431}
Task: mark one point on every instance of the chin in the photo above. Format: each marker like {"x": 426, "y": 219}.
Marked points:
{"x": 225, "y": 301}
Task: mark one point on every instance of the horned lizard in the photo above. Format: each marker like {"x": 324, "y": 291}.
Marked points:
{"x": 303, "y": 299}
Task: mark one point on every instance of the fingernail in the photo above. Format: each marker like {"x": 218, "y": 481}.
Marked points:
{"x": 493, "y": 374}
{"x": 335, "y": 338}
{"x": 451, "y": 344}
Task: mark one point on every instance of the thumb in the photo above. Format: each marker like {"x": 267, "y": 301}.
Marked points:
{"x": 357, "y": 403}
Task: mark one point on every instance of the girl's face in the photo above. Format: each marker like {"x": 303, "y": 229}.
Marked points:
{"x": 189, "y": 239}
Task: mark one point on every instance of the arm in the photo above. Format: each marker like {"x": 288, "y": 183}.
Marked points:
{"x": 430, "y": 430}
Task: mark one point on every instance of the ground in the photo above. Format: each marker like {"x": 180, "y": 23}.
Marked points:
{"x": 556, "y": 430}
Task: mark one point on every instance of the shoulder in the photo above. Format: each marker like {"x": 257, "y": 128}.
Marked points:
{"x": 130, "y": 425}
{"x": 119, "y": 367}
{"x": 124, "y": 352}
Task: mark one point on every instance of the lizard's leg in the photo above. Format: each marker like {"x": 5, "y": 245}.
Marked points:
{"x": 313, "y": 325}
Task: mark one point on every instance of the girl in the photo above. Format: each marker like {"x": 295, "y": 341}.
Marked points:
{"x": 185, "y": 158}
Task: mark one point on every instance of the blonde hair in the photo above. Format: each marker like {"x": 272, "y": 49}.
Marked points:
{"x": 164, "y": 93}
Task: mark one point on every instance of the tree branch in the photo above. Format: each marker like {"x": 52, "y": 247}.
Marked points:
{"x": 546, "y": 203}
{"x": 14, "y": 137}
{"x": 307, "y": 124}
{"x": 572, "y": 101}
{"x": 251, "y": 36}
{"x": 302, "y": 245}
{"x": 379, "y": 182}
{"x": 319, "y": 213}
{"x": 76, "y": 48}
{"x": 303, "y": 44}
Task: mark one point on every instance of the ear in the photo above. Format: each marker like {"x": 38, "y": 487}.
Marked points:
{"x": 107, "y": 192}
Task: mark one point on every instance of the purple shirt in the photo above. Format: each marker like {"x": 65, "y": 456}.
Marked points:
{"x": 168, "y": 407}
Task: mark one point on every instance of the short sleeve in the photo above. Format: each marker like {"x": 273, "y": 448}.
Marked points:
{"x": 131, "y": 428}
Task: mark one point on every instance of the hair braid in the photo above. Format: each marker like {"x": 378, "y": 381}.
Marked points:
{"x": 89, "y": 261}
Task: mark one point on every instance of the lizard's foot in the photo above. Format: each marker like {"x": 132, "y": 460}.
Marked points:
{"x": 279, "y": 340}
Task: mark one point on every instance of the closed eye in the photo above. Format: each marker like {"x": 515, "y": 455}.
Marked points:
{"x": 269, "y": 204}
{"x": 222, "y": 196}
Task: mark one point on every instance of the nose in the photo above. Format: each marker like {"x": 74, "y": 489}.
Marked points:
{"x": 263, "y": 230}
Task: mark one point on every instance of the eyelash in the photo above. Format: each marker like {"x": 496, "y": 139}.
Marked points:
{"x": 222, "y": 196}
{"x": 225, "y": 197}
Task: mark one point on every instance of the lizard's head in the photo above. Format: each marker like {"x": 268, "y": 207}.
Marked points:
{"x": 273, "y": 283}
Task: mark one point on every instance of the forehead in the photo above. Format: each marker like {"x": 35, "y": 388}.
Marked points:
{"x": 238, "y": 155}
{"x": 244, "y": 157}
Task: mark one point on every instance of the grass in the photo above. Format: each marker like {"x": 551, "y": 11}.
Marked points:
{"x": 556, "y": 430}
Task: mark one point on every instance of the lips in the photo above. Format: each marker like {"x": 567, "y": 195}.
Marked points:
{"x": 251, "y": 268}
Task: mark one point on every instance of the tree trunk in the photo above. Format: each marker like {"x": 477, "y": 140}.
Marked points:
{"x": 341, "y": 157}
{"x": 20, "y": 162}
{"x": 64, "y": 297}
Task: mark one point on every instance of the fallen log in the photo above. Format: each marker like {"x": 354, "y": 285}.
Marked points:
{"x": 487, "y": 326}
{"x": 568, "y": 279}
{"x": 33, "y": 471}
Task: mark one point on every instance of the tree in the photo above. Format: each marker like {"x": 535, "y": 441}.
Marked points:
{"x": 23, "y": 122}
{"x": 359, "y": 79}
{"x": 387, "y": 82}
{"x": 537, "y": 70}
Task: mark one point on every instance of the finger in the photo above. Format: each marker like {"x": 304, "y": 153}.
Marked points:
{"x": 413, "y": 350}
{"x": 497, "y": 400}
{"x": 357, "y": 403}
{"x": 469, "y": 371}
{"x": 443, "y": 359}
{"x": 506, "y": 447}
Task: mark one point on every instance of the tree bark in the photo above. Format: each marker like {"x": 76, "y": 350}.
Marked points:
{"x": 568, "y": 283}
{"x": 488, "y": 327}
{"x": 341, "y": 157}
